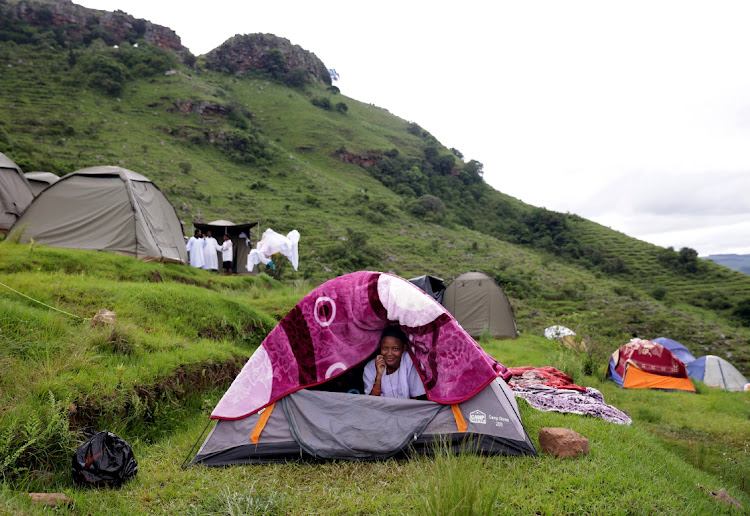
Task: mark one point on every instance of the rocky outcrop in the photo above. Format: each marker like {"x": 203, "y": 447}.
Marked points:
{"x": 84, "y": 24}
{"x": 250, "y": 52}
{"x": 369, "y": 160}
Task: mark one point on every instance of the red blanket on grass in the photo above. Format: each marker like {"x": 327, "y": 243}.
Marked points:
{"x": 528, "y": 376}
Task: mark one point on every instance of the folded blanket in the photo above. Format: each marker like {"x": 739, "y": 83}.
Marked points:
{"x": 590, "y": 403}
{"x": 529, "y": 376}
{"x": 338, "y": 325}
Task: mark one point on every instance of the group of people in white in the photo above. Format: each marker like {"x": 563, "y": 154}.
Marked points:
{"x": 203, "y": 249}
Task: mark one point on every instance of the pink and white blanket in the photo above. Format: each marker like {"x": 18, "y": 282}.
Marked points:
{"x": 338, "y": 325}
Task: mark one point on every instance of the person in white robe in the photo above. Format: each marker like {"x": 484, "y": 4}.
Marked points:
{"x": 194, "y": 246}
{"x": 226, "y": 254}
{"x": 210, "y": 247}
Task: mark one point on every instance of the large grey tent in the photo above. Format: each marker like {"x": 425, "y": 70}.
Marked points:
{"x": 239, "y": 234}
{"x": 106, "y": 209}
{"x": 15, "y": 193}
{"x": 301, "y": 394}
{"x": 477, "y": 302}
{"x": 40, "y": 180}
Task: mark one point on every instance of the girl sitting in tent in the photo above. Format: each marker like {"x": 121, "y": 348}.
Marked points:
{"x": 392, "y": 374}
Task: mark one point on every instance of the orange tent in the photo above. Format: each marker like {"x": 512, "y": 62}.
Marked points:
{"x": 643, "y": 364}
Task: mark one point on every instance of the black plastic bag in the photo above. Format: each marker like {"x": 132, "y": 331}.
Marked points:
{"x": 104, "y": 460}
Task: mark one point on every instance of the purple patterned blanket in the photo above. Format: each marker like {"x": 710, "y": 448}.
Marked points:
{"x": 338, "y": 326}
{"x": 590, "y": 403}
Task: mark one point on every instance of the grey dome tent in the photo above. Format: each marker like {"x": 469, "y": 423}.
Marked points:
{"x": 432, "y": 286}
{"x": 15, "y": 193}
{"x": 38, "y": 181}
{"x": 301, "y": 394}
{"x": 478, "y": 302}
{"x": 105, "y": 209}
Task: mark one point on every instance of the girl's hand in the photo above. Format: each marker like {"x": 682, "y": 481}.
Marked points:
{"x": 380, "y": 365}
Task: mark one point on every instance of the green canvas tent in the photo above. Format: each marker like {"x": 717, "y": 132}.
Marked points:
{"x": 15, "y": 193}
{"x": 105, "y": 209}
{"x": 477, "y": 302}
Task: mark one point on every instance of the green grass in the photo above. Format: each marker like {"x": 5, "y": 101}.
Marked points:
{"x": 156, "y": 375}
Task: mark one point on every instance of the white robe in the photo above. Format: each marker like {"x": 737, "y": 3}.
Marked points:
{"x": 210, "y": 257}
{"x": 194, "y": 246}
{"x": 273, "y": 243}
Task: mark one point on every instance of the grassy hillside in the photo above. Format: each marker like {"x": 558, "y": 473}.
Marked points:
{"x": 251, "y": 148}
{"x": 181, "y": 335}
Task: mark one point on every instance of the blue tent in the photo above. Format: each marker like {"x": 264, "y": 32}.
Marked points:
{"x": 677, "y": 349}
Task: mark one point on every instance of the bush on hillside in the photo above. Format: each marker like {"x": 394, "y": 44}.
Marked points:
{"x": 353, "y": 253}
{"x": 742, "y": 311}
{"x": 428, "y": 207}
{"x": 322, "y": 102}
{"x": 103, "y": 72}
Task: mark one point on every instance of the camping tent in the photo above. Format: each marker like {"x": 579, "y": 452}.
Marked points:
{"x": 240, "y": 235}
{"x": 643, "y": 364}
{"x": 106, "y": 209}
{"x": 15, "y": 193}
{"x": 297, "y": 396}
{"x": 477, "y": 302}
{"x": 38, "y": 181}
{"x": 716, "y": 372}
{"x": 678, "y": 349}
{"x": 432, "y": 285}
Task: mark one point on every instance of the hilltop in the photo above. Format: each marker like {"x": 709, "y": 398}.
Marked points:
{"x": 255, "y": 130}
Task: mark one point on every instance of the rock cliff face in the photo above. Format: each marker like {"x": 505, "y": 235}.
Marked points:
{"x": 251, "y": 52}
{"x": 82, "y": 23}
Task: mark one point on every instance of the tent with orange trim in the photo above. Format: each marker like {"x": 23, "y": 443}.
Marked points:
{"x": 644, "y": 364}
{"x": 301, "y": 394}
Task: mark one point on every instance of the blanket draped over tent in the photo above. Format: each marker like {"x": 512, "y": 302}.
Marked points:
{"x": 338, "y": 326}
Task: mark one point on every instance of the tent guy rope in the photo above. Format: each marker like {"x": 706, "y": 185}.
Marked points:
{"x": 44, "y": 304}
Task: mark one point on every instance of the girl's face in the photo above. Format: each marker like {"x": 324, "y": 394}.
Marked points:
{"x": 391, "y": 348}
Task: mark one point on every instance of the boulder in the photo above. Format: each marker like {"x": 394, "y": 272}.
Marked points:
{"x": 563, "y": 442}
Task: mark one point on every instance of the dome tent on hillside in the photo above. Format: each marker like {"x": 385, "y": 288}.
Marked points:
{"x": 40, "y": 181}
{"x": 478, "y": 303}
{"x": 311, "y": 364}
{"x": 15, "y": 193}
{"x": 643, "y": 364}
{"x": 105, "y": 209}
{"x": 677, "y": 348}
{"x": 716, "y": 372}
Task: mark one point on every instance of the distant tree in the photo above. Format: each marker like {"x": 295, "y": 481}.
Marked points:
{"x": 334, "y": 74}
{"x": 322, "y": 102}
{"x": 297, "y": 78}
{"x": 457, "y": 153}
{"x": 275, "y": 64}
{"x": 742, "y": 311}
{"x": 334, "y": 89}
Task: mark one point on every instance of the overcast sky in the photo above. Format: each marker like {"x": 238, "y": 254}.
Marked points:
{"x": 633, "y": 114}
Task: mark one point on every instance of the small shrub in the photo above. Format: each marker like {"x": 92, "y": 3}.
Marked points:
{"x": 341, "y": 107}
{"x": 322, "y": 102}
{"x": 659, "y": 293}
